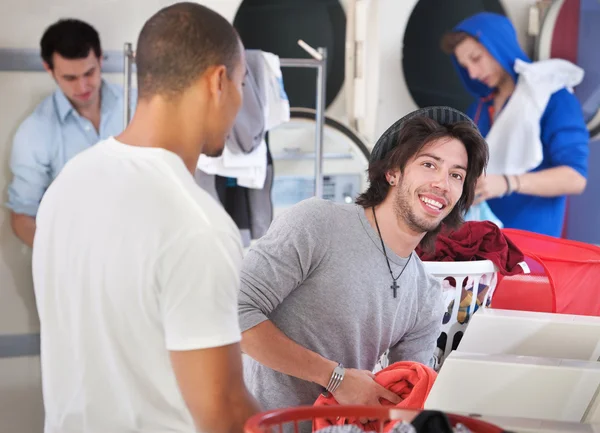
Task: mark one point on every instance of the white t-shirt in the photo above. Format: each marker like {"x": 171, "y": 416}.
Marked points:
{"x": 131, "y": 259}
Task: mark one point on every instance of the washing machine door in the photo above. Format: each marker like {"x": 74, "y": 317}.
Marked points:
{"x": 276, "y": 26}
{"x": 398, "y": 65}
{"x": 571, "y": 31}
{"x": 292, "y": 146}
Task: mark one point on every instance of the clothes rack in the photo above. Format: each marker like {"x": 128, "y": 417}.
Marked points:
{"x": 318, "y": 61}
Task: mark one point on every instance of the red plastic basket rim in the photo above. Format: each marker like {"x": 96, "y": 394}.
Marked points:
{"x": 264, "y": 420}
{"x": 523, "y": 234}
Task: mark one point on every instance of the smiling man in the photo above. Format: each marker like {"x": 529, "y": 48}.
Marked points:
{"x": 82, "y": 111}
{"x": 331, "y": 287}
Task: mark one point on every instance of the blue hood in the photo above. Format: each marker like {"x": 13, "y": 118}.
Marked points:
{"x": 497, "y": 34}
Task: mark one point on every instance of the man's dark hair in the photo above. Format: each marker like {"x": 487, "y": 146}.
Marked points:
{"x": 178, "y": 44}
{"x": 451, "y": 40}
{"x": 71, "y": 39}
{"x": 413, "y": 136}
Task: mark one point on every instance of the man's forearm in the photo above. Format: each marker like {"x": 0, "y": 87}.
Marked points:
{"x": 24, "y": 227}
{"x": 242, "y": 409}
{"x": 272, "y": 348}
{"x": 551, "y": 182}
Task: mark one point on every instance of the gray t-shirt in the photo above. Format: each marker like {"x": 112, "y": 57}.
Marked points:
{"x": 320, "y": 276}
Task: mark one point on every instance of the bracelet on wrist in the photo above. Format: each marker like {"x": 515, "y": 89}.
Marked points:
{"x": 336, "y": 378}
{"x": 518, "y": 180}
{"x": 509, "y": 189}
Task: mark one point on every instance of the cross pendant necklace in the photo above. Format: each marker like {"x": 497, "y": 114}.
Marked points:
{"x": 394, "y": 285}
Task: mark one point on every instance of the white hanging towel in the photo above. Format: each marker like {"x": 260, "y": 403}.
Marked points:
{"x": 277, "y": 108}
{"x": 250, "y": 169}
{"x": 514, "y": 139}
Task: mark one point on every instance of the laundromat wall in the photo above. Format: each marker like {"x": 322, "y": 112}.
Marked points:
{"x": 369, "y": 104}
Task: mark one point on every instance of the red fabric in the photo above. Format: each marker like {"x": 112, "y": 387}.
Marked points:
{"x": 483, "y": 101}
{"x": 412, "y": 381}
{"x": 563, "y": 278}
{"x": 476, "y": 240}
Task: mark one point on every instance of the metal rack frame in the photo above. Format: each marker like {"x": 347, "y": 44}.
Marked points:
{"x": 318, "y": 61}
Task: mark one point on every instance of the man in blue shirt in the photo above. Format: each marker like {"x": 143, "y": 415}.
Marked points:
{"x": 82, "y": 111}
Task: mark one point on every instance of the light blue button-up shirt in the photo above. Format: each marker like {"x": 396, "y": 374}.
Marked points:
{"x": 52, "y": 135}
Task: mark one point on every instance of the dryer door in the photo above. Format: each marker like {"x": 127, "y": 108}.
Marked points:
{"x": 277, "y": 25}
{"x": 345, "y": 160}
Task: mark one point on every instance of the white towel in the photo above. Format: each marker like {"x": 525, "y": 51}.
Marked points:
{"x": 250, "y": 169}
{"x": 514, "y": 139}
{"x": 277, "y": 109}
{"x": 247, "y": 168}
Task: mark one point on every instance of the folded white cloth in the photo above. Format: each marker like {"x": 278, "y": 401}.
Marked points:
{"x": 514, "y": 138}
{"x": 277, "y": 108}
{"x": 247, "y": 168}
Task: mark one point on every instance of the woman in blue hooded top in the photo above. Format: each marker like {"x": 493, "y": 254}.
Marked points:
{"x": 484, "y": 49}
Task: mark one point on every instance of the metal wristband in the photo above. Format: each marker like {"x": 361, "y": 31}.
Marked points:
{"x": 509, "y": 188}
{"x": 336, "y": 378}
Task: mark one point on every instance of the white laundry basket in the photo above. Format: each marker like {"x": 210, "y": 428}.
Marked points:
{"x": 481, "y": 278}
{"x": 467, "y": 286}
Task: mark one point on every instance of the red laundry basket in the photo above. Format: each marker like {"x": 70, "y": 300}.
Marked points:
{"x": 273, "y": 421}
{"x": 564, "y": 278}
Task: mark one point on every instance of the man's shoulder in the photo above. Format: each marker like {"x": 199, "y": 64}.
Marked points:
{"x": 431, "y": 284}
{"x": 419, "y": 263}
{"x": 313, "y": 211}
{"x": 42, "y": 117}
{"x": 319, "y": 206}
{"x": 314, "y": 204}
{"x": 115, "y": 88}
{"x": 189, "y": 208}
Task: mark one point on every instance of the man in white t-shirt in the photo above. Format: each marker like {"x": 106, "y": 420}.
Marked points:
{"x": 135, "y": 267}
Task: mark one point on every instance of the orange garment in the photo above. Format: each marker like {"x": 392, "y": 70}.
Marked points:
{"x": 412, "y": 381}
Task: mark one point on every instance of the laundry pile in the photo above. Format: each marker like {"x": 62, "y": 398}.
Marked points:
{"x": 474, "y": 240}
{"x": 477, "y": 240}
{"x": 242, "y": 177}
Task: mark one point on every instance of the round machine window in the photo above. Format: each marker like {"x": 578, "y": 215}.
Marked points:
{"x": 429, "y": 73}
{"x": 276, "y": 25}
{"x": 345, "y": 160}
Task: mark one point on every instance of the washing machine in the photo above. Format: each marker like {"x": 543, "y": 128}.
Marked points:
{"x": 276, "y": 26}
{"x": 384, "y": 61}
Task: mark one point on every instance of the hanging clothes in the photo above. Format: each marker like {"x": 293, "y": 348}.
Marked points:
{"x": 242, "y": 178}
{"x": 265, "y": 106}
